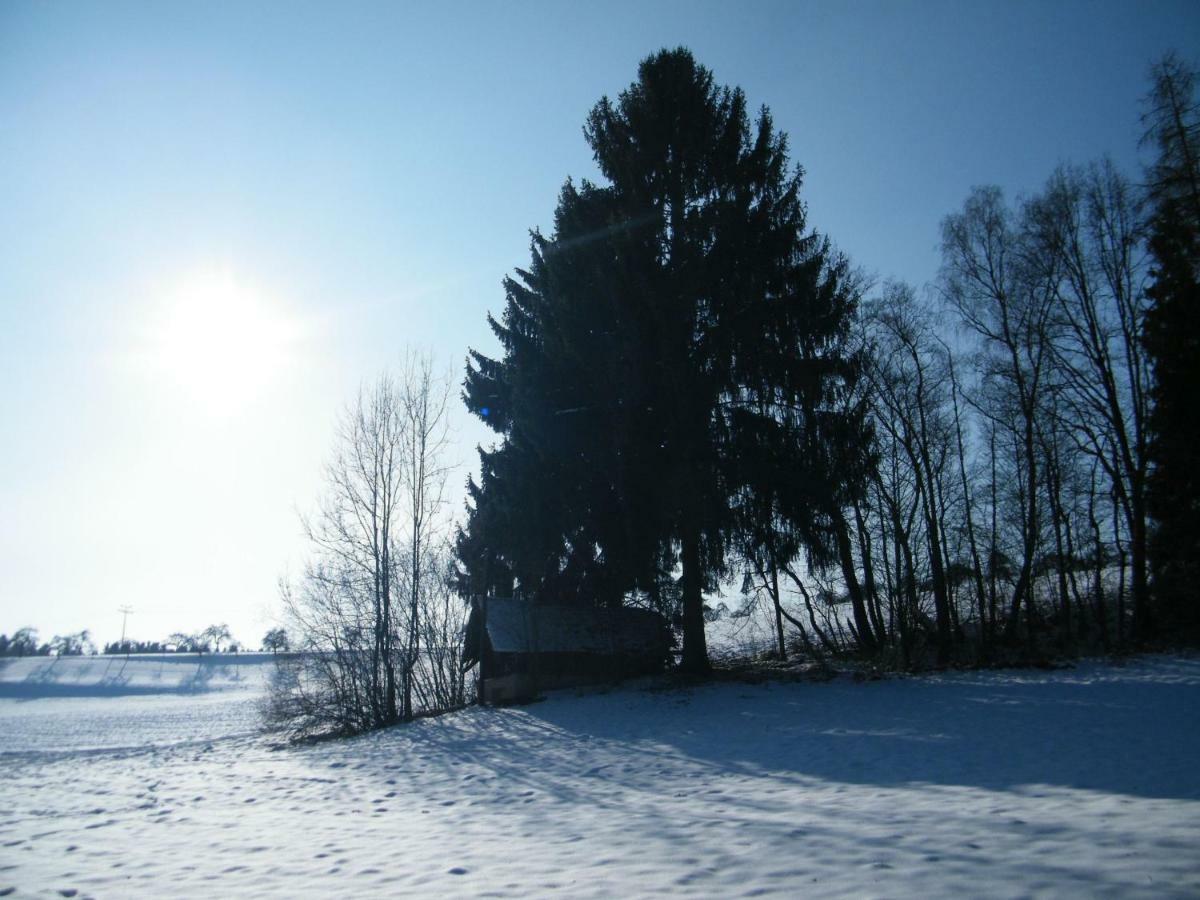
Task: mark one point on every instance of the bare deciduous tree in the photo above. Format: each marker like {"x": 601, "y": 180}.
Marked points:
{"x": 912, "y": 397}
{"x": 424, "y": 401}
{"x": 360, "y": 608}
{"x": 215, "y": 635}
{"x": 1085, "y": 231}
{"x": 1008, "y": 303}
{"x": 276, "y": 640}
{"x": 342, "y": 608}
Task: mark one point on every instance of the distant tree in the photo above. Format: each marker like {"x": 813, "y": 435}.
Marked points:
{"x": 24, "y": 642}
{"x": 215, "y": 634}
{"x": 1172, "y": 340}
{"x": 76, "y": 644}
{"x": 186, "y": 643}
{"x": 276, "y": 640}
{"x": 128, "y": 646}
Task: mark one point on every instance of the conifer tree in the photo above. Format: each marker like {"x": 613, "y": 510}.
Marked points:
{"x": 1172, "y": 340}
{"x": 676, "y": 362}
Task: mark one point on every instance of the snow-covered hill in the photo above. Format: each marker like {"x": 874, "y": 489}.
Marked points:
{"x": 65, "y": 705}
{"x": 33, "y": 677}
{"x": 1079, "y": 783}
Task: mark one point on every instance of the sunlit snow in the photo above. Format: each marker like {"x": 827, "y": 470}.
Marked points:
{"x": 1078, "y": 782}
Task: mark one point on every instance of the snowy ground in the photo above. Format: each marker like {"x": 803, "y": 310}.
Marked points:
{"x": 73, "y": 704}
{"x": 1080, "y": 782}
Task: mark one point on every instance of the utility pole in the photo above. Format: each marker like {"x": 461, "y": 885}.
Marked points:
{"x": 124, "y": 611}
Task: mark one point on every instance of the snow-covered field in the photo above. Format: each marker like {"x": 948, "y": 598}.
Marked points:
{"x": 75, "y": 704}
{"x": 1078, "y": 783}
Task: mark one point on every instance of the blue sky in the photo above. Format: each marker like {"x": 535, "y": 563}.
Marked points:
{"x": 337, "y": 181}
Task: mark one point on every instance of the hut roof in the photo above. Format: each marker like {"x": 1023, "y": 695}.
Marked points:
{"x": 514, "y": 626}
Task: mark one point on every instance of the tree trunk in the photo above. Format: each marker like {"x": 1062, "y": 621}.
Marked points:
{"x": 872, "y": 589}
{"x": 941, "y": 599}
{"x": 1098, "y": 570}
{"x": 825, "y": 640}
{"x": 778, "y": 610}
{"x": 695, "y": 648}
{"x": 389, "y": 663}
{"x": 941, "y": 596}
{"x": 1058, "y": 518}
{"x": 976, "y": 563}
{"x": 1023, "y": 591}
{"x": 1142, "y": 622}
{"x": 862, "y": 623}
{"x": 994, "y": 551}
{"x": 1120, "y": 548}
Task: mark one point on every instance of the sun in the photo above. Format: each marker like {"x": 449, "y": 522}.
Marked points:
{"x": 218, "y": 340}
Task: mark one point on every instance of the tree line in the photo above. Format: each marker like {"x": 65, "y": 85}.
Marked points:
{"x": 695, "y": 386}
{"x": 24, "y": 642}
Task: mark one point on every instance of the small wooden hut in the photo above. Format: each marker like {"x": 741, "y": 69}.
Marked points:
{"x": 522, "y": 648}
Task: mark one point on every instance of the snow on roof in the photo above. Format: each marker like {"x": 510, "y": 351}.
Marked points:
{"x": 515, "y": 626}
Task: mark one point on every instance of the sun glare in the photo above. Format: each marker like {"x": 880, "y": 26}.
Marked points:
{"x": 219, "y": 340}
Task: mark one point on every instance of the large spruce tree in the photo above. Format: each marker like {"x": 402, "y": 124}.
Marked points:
{"x": 1172, "y": 340}
{"x": 675, "y": 362}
